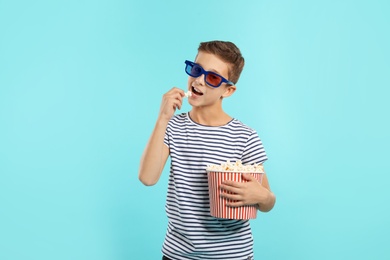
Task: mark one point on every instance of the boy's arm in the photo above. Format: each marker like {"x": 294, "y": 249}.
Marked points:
{"x": 155, "y": 155}
{"x": 267, "y": 197}
{"x": 251, "y": 192}
{"x": 156, "y": 152}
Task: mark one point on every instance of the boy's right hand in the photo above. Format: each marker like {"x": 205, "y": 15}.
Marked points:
{"x": 171, "y": 101}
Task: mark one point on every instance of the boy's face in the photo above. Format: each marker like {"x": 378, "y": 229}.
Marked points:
{"x": 202, "y": 94}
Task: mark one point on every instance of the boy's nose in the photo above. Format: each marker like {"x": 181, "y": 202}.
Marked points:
{"x": 200, "y": 80}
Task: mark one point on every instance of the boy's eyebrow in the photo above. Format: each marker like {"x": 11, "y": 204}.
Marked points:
{"x": 212, "y": 70}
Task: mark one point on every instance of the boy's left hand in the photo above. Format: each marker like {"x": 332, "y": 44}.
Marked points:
{"x": 244, "y": 193}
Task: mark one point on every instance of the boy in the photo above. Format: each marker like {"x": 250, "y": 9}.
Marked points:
{"x": 205, "y": 135}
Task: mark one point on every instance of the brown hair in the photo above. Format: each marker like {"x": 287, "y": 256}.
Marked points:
{"x": 228, "y": 52}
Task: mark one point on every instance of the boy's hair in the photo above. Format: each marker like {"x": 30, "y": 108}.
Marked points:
{"x": 228, "y": 52}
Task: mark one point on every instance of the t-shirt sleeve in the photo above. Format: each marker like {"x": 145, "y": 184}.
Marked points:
{"x": 254, "y": 150}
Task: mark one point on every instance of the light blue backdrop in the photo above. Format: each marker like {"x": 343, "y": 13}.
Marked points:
{"x": 80, "y": 88}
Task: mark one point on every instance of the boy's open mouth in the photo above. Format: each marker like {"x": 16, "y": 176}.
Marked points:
{"x": 196, "y": 91}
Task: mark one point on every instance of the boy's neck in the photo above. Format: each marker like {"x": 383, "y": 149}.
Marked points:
{"x": 209, "y": 118}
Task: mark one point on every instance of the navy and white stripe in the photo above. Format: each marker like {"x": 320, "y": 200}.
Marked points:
{"x": 192, "y": 232}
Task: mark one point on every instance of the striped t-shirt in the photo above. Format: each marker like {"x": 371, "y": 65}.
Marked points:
{"x": 192, "y": 232}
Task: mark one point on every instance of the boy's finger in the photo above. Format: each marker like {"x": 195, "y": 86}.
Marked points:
{"x": 229, "y": 188}
{"x": 232, "y": 183}
{"x": 249, "y": 177}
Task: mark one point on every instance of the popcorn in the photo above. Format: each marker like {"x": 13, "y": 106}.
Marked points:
{"x": 236, "y": 167}
{"x": 188, "y": 94}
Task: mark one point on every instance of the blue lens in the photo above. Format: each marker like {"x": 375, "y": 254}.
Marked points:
{"x": 188, "y": 69}
{"x": 196, "y": 70}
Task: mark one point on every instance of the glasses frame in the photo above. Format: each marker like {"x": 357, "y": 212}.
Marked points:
{"x": 205, "y": 73}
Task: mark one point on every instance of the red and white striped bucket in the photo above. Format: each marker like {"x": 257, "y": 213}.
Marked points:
{"x": 218, "y": 206}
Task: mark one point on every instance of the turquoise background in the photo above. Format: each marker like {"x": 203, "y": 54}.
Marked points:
{"x": 80, "y": 88}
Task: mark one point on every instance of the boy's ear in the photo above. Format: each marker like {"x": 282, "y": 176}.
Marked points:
{"x": 229, "y": 91}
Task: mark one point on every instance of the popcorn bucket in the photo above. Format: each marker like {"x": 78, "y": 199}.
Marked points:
{"x": 218, "y": 206}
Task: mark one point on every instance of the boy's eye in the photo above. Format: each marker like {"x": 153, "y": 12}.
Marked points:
{"x": 213, "y": 77}
{"x": 196, "y": 70}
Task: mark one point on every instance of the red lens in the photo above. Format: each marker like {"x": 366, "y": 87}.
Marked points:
{"x": 213, "y": 79}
